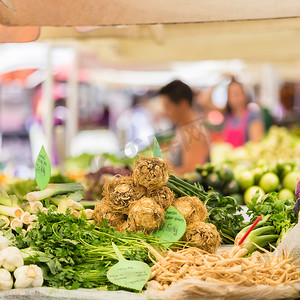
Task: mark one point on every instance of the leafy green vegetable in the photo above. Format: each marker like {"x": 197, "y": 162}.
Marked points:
{"x": 279, "y": 212}
{"x": 224, "y": 214}
{"x": 74, "y": 253}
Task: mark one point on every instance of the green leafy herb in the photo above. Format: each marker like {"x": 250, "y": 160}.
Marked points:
{"x": 74, "y": 253}
{"x": 279, "y": 213}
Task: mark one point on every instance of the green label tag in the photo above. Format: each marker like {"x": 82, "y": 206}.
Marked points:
{"x": 128, "y": 274}
{"x": 173, "y": 228}
{"x": 157, "y": 150}
{"x": 42, "y": 169}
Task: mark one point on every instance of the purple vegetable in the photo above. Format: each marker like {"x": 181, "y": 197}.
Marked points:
{"x": 297, "y": 195}
{"x": 93, "y": 182}
{"x": 297, "y": 190}
{"x": 297, "y": 206}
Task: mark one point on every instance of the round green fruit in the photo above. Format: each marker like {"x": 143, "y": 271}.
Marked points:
{"x": 238, "y": 170}
{"x": 250, "y": 193}
{"x": 290, "y": 180}
{"x": 257, "y": 173}
{"x": 269, "y": 182}
{"x": 213, "y": 180}
{"x": 245, "y": 180}
{"x": 231, "y": 187}
{"x": 285, "y": 194}
{"x": 226, "y": 174}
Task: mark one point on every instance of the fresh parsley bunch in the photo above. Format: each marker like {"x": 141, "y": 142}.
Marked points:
{"x": 74, "y": 253}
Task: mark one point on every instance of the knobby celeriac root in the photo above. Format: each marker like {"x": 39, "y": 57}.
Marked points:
{"x": 162, "y": 196}
{"x": 145, "y": 215}
{"x": 191, "y": 208}
{"x": 151, "y": 172}
{"x": 204, "y": 236}
{"x": 104, "y": 211}
{"x": 100, "y": 209}
{"x": 122, "y": 192}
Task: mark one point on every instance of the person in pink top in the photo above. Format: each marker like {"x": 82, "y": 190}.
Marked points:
{"x": 241, "y": 123}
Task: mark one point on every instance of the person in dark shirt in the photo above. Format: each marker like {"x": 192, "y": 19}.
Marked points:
{"x": 190, "y": 146}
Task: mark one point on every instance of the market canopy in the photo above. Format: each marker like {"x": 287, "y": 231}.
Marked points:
{"x": 131, "y": 12}
{"x": 264, "y": 31}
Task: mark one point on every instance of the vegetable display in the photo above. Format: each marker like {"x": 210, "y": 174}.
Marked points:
{"x": 74, "y": 253}
{"x": 241, "y": 181}
{"x": 137, "y": 202}
{"x": 54, "y": 237}
{"x": 59, "y": 197}
{"x": 228, "y": 267}
{"x": 278, "y": 219}
{"x": 12, "y": 262}
{"x": 278, "y": 144}
{"x": 223, "y": 212}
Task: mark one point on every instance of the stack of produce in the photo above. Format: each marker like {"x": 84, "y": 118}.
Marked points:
{"x": 12, "y": 263}
{"x": 228, "y": 267}
{"x": 278, "y": 144}
{"x": 281, "y": 177}
{"x": 22, "y": 214}
{"x": 241, "y": 182}
{"x": 198, "y": 233}
{"x": 137, "y": 202}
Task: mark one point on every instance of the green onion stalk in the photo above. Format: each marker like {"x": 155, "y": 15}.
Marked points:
{"x": 54, "y": 189}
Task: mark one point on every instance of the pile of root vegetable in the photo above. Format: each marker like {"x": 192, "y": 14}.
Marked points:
{"x": 227, "y": 267}
{"x": 139, "y": 202}
{"x": 136, "y": 202}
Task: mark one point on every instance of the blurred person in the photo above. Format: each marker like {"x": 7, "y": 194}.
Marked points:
{"x": 190, "y": 145}
{"x": 243, "y": 122}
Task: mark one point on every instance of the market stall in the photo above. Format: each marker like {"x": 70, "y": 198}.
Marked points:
{"x": 122, "y": 223}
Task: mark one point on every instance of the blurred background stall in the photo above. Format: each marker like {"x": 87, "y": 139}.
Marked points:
{"x": 92, "y": 90}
